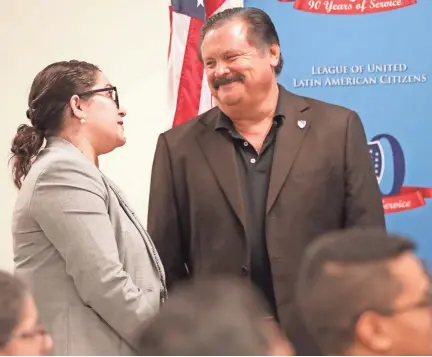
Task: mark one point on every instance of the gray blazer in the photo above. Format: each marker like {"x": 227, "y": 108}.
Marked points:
{"x": 93, "y": 269}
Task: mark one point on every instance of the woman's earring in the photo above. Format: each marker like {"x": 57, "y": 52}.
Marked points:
{"x": 82, "y": 120}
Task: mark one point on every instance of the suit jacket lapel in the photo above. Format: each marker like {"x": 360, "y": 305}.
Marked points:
{"x": 288, "y": 142}
{"x": 221, "y": 157}
{"x": 147, "y": 240}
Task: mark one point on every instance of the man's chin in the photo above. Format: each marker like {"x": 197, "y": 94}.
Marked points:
{"x": 228, "y": 98}
{"x": 229, "y": 101}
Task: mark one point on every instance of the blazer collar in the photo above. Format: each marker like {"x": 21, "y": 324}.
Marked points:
{"x": 58, "y": 142}
{"x": 289, "y": 140}
{"x": 220, "y": 152}
{"x": 287, "y": 102}
{"x": 222, "y": 121}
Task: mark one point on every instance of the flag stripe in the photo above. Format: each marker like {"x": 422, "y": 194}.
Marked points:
{"x": 171, "y": 29}
{"x": 206, "y": 97}
{"x": 212, "y": 5}
{"x": 175, "y": 61}
{"x": 189, "y": 92}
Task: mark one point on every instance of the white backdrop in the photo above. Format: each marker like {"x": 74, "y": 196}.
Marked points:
{"x": 127, "y": 39}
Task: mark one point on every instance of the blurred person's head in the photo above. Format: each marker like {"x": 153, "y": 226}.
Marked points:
{"x": 213, "y": 317}
{"x": 364, "y": 292}
{"x": 73, "y": 100}
{"x": 21, "y": 334}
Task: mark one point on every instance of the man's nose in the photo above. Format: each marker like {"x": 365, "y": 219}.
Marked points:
{"x": 221, "y": 69}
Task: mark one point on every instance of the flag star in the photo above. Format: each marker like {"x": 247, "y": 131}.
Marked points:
{"x": 200, "y": 2}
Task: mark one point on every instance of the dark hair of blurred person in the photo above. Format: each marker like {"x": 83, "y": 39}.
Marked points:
{"x": 364, "y": 292}
{"x": 213, "y": 317}
{"x": 21, "y": 334}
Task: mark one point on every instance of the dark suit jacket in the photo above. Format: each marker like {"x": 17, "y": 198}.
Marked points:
{"x": 322, "y": 179}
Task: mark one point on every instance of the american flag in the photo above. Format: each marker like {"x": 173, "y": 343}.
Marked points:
{"x": 188, "y": 92}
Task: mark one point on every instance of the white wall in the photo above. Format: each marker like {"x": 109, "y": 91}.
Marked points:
{"x": 128, "y": 39}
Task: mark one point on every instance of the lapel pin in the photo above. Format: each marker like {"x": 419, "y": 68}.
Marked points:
{"x": 301, "y": 123}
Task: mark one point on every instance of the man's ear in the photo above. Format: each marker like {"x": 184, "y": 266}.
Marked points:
{"x": 371, "y": 332}
{"x": 275, "y": 54}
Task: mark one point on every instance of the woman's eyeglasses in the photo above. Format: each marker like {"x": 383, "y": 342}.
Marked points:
{"x": 112, "y": 90}
{"x": 37, "y": 331}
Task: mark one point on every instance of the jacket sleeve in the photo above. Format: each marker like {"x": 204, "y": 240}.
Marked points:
{"x": 363, "y": 203}
{"x": 163, "y": 216}
{"x": 70, "y": 205}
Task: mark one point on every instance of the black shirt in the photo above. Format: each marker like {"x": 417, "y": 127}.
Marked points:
{"x": 254, "y": 170}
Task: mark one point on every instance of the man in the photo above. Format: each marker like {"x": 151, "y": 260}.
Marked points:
{"x": 364, "y": 293}
{"x": 214, "y": 317}
{"x": 242, "y": 188}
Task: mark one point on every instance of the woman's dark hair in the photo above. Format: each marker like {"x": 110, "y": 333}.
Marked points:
{"x": 12, "y": 295}
{"x": 50, "y": 93}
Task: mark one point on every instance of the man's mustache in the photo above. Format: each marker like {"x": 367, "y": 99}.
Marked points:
{"x": 227, "y": 80}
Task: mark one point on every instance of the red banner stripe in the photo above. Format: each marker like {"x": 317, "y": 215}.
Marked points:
{"x": 408, "y": 198}
{"x": 348, "y": 7}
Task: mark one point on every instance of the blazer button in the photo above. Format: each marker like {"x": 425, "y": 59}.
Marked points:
{"x": 245, "y": 270}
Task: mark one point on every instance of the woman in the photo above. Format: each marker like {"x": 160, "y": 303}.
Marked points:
{"x": 21, "y": 334}
{"x": 92, "y": 268}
